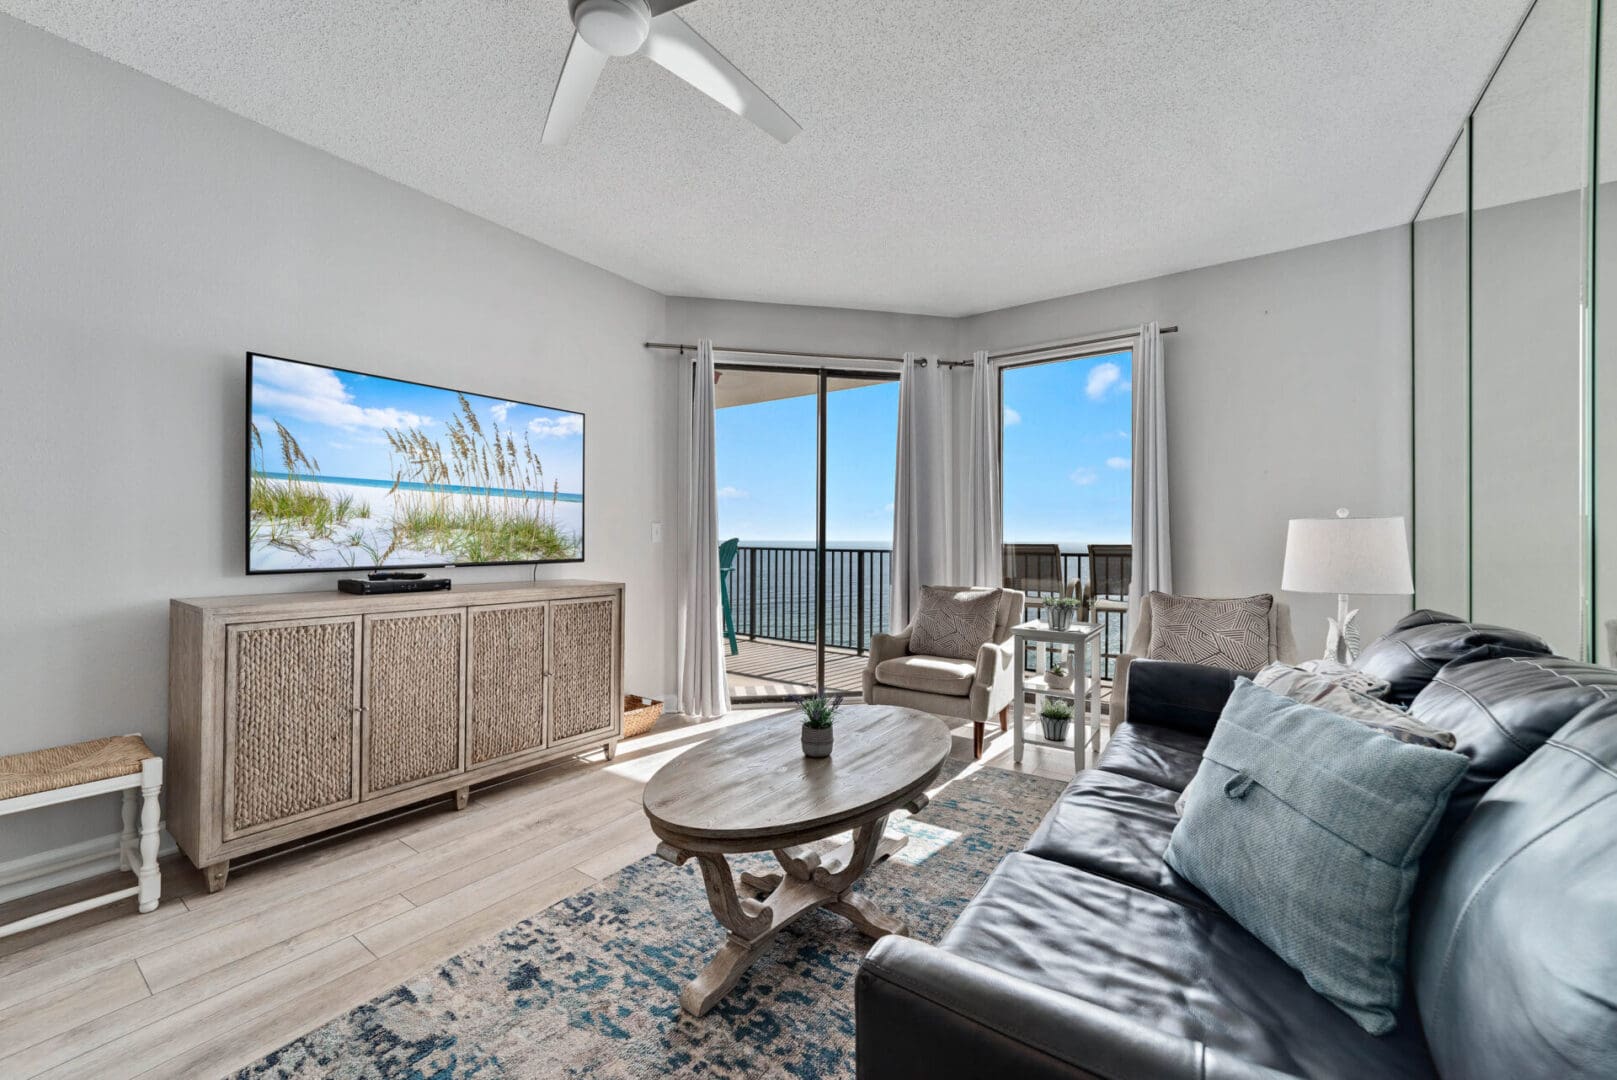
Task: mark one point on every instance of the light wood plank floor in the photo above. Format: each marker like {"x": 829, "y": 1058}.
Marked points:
{"x": 207, "y": 984}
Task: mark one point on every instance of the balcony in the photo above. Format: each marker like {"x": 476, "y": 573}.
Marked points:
{"x": 773, "y": 603}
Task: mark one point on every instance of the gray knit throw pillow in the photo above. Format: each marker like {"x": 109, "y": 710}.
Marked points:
{"x": 953, "y": 622}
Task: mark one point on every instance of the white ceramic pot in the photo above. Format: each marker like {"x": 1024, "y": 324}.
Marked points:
{"x": 1058, "y": 682}
{"x": 817, "y": 741}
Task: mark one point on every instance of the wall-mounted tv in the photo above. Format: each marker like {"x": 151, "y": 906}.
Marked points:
{"x": 348, "y": 471}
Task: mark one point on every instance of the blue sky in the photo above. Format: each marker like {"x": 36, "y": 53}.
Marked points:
{"x": 1066, "y": 468}
{"x": 1067, "y": 451}
{"x": 338, "y": 417}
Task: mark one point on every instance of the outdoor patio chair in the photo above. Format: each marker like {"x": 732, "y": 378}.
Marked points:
{"x": 727, "y": 566}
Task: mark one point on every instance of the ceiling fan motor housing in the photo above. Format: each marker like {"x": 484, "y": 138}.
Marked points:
{"x": 614, "y": 27}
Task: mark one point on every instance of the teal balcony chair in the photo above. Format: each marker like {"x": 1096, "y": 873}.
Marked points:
{"x": 727, "y": 566}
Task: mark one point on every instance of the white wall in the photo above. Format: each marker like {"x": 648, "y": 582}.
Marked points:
{"x": 148, "y": 240}
{"x": 1288, "y": 396}
{"x": 785, "y": 326}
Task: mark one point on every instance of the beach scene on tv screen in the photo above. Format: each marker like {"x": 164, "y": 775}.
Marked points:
{"x": 358, "y": 471}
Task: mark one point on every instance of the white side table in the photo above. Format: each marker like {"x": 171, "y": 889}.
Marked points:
{"x": 1084, "y": 639}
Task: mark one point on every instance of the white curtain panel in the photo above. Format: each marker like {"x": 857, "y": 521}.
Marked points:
{"x": 1153, "y": 568}
{"x": 920, "y": 523}
{"x": 982, "y": 528}
{"x": 702, "y": 688}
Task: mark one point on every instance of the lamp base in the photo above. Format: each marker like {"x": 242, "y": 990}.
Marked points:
{"x": 1342, "y": 633}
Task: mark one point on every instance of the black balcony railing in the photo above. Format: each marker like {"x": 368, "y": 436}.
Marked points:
{"x": 772, "y": 591}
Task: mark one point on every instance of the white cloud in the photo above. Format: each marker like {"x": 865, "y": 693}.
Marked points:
{"x": 501, "y": 410}
{"x": 1102, "y": 377}
{"x": 557, "y": 427}
{"x": 1117, "y": 463}
{"x": 318, "y": 395}
{"x": 1012, "y": 417}
{"x": 1084, "y": 477}
{"x": 728, "y": 492}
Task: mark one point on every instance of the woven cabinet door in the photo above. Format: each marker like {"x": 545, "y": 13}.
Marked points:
{"x": 505, "y": 707}
{"x": 291, "y": 721}
{"x": 414, "y": 695}
{"x": 583, "y": 653}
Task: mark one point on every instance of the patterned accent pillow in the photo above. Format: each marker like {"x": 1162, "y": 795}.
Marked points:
{"x": 1347, "y": 676}
{"x": 1213, "y": 633}
{"x": 953, "y": 622}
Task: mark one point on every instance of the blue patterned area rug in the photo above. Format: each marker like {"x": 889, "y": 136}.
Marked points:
{"x": 590, "y": 986}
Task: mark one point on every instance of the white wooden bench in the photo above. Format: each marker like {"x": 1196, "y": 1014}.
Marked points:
{"x": 65, "y": 773}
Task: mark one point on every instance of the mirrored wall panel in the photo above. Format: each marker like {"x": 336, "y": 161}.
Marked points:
{"x": 1603, "y": 388}
{"x": 1441, "y": 235}
{"x": 1505, "y": 400}
{"x": 1529, "y": 169}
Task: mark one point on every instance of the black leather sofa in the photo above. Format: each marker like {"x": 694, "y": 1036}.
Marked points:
{"x": 1084, "y": 955}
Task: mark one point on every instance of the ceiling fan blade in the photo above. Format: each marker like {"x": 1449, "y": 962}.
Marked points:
{"x": 578, "y": 74}
{"x": 662, "y": 7}
{"x": 675, "y": 46}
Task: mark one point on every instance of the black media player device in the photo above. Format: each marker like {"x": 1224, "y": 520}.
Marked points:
{"x": 379, "y": 586}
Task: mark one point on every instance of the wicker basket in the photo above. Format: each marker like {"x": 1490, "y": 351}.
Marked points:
{"x": 639, "y": 714}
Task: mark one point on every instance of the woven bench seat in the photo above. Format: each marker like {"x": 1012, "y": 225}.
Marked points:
{"x": 66, "y": 766}
{"x": 121, "y": 765}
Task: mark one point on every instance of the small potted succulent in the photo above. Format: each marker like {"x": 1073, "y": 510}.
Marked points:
{"x": 1054, "y": 716}
{"x": 818, "y": 715}
{"x": 1060, "y": 612}
{"x": 1058, "y": 676}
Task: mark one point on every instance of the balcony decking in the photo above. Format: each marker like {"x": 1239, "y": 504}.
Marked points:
{"x": 781, "y": 668}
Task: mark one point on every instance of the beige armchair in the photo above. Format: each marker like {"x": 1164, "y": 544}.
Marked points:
{"x": 1282, "y": 647}
{"x": 965, "y": 689}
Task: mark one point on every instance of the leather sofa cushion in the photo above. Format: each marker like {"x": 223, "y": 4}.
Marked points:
{"x": 1500, "y": 711}
{"x": 1409, "y": 657}
{"x": 1117, "y": 827}
{"x": 928, "y": 674}
{"x": 1181, "y": 970}
{"x": 1425, "y": 617}
{"x": 1512, "y": 956}
{"x": 1166, "y": 757}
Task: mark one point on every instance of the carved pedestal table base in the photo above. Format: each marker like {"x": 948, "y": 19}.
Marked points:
{"x": 809, "y": 882}
{"x": 750, "y": 789}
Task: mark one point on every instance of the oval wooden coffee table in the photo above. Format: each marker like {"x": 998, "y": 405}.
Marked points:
{"x": 750, "y": 788}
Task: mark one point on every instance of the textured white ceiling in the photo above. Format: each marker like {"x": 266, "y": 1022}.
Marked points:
{"x": 957, "y": 155}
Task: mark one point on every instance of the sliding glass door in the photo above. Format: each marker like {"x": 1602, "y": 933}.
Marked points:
{"x": 1065, "y": 461}
{"x": 805, "y": 482}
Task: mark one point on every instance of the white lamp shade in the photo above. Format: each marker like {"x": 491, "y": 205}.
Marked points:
{"x": 1347, "y": 555}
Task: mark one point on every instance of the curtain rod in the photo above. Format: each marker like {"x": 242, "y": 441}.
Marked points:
{"x": 773, "y": 352}
{"x": 1092, "y": 340}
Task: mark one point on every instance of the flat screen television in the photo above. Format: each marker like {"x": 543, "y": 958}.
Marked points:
{"x": 348, "y": 471}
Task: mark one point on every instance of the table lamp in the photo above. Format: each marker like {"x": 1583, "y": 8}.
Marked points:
{"x": 1344, "y": 555}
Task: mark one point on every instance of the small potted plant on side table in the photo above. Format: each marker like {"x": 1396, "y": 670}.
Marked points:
{"x": 818, "y": 715}
{"x": 1060, "y": 612}
{"x": 1054, "y": 716}
{"x": 1058, "y": 677}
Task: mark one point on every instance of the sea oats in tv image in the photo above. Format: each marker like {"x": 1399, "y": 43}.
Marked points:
{"x": 352, "y": 471}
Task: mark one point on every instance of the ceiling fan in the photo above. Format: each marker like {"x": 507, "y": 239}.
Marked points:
{"x": 608, "y": 28}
